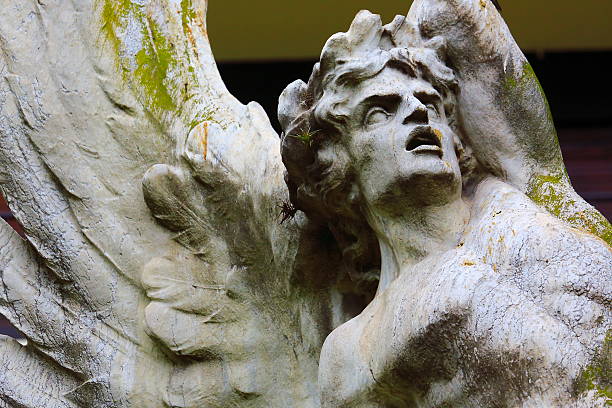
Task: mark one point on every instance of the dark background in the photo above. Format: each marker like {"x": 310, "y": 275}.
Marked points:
{"x": 577, "y": 85}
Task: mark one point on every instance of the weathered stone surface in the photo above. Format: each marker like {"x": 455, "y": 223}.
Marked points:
{"x": 429, "y": 140}
{"x": 431, "y": 251}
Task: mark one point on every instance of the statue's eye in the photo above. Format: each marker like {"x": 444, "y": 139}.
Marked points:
{"x": 376, "y": 116}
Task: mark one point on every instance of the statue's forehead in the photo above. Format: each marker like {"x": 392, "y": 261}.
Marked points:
{"x": 389, "y": 81}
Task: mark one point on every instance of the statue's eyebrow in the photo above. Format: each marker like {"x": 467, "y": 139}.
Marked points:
{"x": 428, "y": 96}
{"x": 385, "y": 99}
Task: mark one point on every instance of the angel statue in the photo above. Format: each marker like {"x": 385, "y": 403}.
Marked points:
{"x": 411, "y": 240}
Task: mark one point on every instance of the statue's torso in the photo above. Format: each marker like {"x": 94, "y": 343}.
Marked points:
{"x": 522, "y": 298}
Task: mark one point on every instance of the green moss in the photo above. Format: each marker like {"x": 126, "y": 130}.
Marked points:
{"x": 550, "y": 192}
{"x": 527, "y": 77}
{"x": 159, "y": 72}
{"x": 206, "y": 115}
{"x": 114, "y": 16}
{"x": 524, "y": 90}
{"x": 597, "y": 376}
{"x": 547, "y": 192}
{"x": 187, "y": 13}
{"x": 153, "y": 62}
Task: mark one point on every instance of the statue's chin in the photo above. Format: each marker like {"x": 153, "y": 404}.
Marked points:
{"x": 431, "y": 185}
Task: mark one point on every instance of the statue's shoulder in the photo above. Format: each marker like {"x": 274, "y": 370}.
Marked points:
{"x": 536, "y": 251}
{"x": 504, "y": 214}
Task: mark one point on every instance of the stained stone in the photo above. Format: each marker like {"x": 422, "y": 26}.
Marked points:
{"x": 411, "y": 239}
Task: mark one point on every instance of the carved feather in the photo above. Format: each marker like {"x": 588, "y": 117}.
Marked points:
{"x": 177, "y": 203}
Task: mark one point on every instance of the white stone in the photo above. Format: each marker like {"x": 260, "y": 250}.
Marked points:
{"x": 157, "y": 271}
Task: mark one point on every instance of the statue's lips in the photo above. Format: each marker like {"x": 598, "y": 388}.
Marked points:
{"x": 423, "y": 139}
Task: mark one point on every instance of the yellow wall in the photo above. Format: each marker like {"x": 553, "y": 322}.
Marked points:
{"x": 290, "y": 29}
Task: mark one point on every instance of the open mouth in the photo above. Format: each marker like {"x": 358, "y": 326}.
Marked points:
{"x": 424, "y": 139}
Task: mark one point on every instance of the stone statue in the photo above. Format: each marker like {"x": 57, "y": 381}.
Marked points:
{"x": 479, "y": 288}
{"x": 412, "y": 239}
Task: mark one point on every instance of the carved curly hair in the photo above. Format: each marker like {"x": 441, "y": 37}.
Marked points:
{"x": 320, "y": 176}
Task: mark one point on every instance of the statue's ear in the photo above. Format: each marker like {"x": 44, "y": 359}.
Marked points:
{"x": 291, "y": 103}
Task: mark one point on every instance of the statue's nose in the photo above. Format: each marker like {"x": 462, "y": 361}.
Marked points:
{"x": 418, "y": 116}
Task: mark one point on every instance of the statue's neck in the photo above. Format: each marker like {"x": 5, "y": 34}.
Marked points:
{"x": 418, "y": 233}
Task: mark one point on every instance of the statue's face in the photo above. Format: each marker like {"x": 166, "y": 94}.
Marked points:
{"x": 400, "y": 143}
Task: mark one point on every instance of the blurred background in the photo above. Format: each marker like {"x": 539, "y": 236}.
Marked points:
{"x": 261, "y": 46}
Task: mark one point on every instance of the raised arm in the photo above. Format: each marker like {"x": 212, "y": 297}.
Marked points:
{"x": 503, "y": 110}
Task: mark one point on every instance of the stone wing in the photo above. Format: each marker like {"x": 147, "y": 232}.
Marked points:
{"x": 93, "y": 94}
